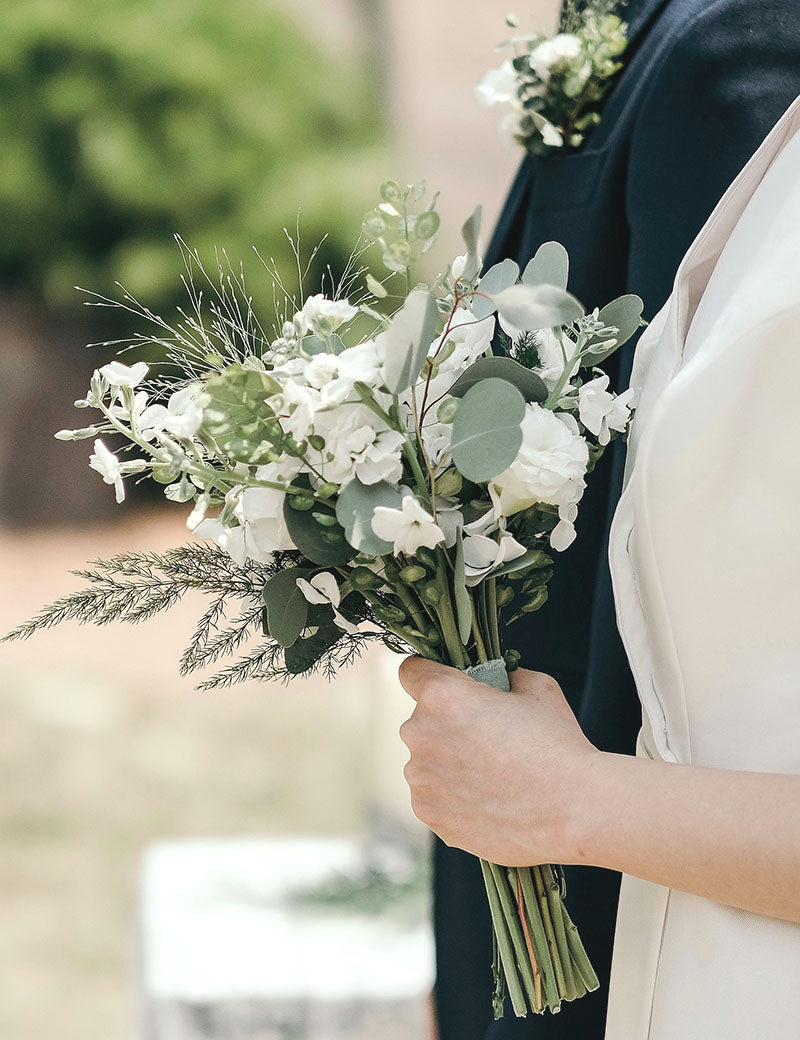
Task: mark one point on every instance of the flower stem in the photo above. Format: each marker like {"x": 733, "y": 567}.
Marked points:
{"x": 504, "y": 944}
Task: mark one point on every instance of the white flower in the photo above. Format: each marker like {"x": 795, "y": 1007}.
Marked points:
{"x": 408, "y": 527}
{"x": 498, "y": 86}
{"x": 561, "y": 47}
{"x": 551, "y": 135}
{"x": 550, "y": 465}
{"x": 552, "y": 349}
{"x": 261, "y": 530}
{"x": 358, "y": 444}
{"x": 117, "y": 374}
{"x": 110, "y": 468}
{"x": 483, "y": 554}
{"x": 563, "y": 534}
{"x": 600, "y": 411}
{"x": 469, "y": 339}
{"x": 325, "y": 316}
{"x": 324, "y": 589}
{"x": 335, "y": 375}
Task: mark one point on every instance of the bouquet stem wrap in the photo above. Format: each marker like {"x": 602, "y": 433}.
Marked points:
{"x": 539, "y": 959}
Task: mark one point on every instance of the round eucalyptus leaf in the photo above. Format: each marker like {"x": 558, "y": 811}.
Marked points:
{"x": 355, "y": 508}
{"x": 550, "y": 266}
{"x": 469, "y": 232}
{"x": 322, "y": 543}
{"x": 497, "y": 278}
{"x": 531, "y": 386}
{"x": 237, "y": 417}
{"x": 486, "y": 430}
{"x": 531, "y": 307}
{"x": 287, "y": 607}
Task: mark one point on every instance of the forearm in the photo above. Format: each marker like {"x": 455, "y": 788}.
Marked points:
{"x": 733, "y": 837}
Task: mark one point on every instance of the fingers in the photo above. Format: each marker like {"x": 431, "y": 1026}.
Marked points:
{"x": 418, "y": 674}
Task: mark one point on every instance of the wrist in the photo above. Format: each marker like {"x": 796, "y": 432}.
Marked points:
{"x": 594, "y": 801}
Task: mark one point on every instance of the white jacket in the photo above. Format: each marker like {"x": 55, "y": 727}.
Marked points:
{"x": 705, "y": 557}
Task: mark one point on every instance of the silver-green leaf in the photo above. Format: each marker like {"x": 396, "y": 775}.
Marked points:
{"x": 355, "y": 508}
{"x": 486, "y": 430}
{"x": 625, "y": 314}
{"x": 470, "y": 232}
{"x": 532, "y": 307}
{"x": 497, "y": 278}
{"x": 407, "y": 340}
{"x": 531, "y": 386}
{"x": 550, "y": 266}
{"x": 461, "y": 598}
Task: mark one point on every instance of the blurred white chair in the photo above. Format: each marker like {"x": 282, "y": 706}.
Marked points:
{"x": 228, "y": 951}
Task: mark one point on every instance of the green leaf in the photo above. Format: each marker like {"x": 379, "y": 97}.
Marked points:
{"x": 531, "y": 307}
{"x": 287, "y": 607}
{"x": 532, "y": 558}
{"x": 407, "y": 340}
{"x": 322, "y": 544}
{"x": 470, "y": 232}
{"x": 497, "y": 278}
{"x": 531, "y": 386}
{"x": 237, "y": 416}
{"x": 354, "y": 511}
{"x": 486, "y": 430}
{"x": 461, "y": 598}
{"x": 550, "y": 266}
{"x": 314, "y": 344}
{"x": 303, "y": 654}
{"x": 626, "y": 314}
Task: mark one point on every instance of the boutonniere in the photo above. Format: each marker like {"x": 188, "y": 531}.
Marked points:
{"x": 552, "y": 87}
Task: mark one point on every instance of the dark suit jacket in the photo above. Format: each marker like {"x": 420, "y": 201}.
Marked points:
{"x": 704, "y": 82}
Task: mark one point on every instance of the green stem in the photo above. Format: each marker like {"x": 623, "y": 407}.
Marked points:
{"x": 444, "y": 608}
{"x": 511, "y": 914}
{"x": 541, "y": 946}
{"x": 555, "y": 903}
{"x": 493, "y": 616}
{"x": 579, "y": 955}
{"x": 504, "y": 944}
{"x": 480, "y": 646}
{"x": 548, "y": 930}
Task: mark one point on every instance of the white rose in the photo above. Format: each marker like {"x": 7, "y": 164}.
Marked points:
{"x": 550, "y": 465}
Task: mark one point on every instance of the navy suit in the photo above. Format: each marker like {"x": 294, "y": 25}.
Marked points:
{"x": 704, "y": 81}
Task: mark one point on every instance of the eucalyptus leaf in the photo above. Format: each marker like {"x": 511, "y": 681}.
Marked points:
{"x": 237, "y": 417}
{"x": 549, "y": 266}
{"x": 532, "y": 307}
{"x": 486, "y": 430}
{"x": 287, "y": 607}
{"x": 463, "y": 604}
{"x": 497, "y": 278}
{"x": 470, "y": 232}
{"x": 624, "y": 313}
{"x": 315, "y": 344}
{"x": 407, "y": 340}
{"x": 303, "y": 654}
{"x": 355, "y": 509}
{"x": 321, "y": 543}
{"x": 531, "y": 386}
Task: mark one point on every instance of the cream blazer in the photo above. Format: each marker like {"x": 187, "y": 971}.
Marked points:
{"x": 705, "y": 558}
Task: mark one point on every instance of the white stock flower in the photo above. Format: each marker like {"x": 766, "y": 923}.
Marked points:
{"x": 323, "y": 589}
{"x": 181, "y": 417}
{"x": 550, "y": 465}
{"x": 358, "y": 444}
{"x": 261, "y": 531}
{"x": 335, "y": 375}
{"x": 110, "y": 468}
{"x": 469, "y": 339}
{"x": 408, "y": 527}
{"x": 563, "y": 534}
{"x": 322, "y": 315}
{"x": 552, "y": 350}
{"x": 483, "y": 554}
{"x": 563, "y": 46}
{"x": 117, "y": 374}
{"x": 600, "y": 411}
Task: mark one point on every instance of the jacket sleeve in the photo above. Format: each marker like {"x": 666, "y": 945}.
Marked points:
{"x": 724, "y": 81}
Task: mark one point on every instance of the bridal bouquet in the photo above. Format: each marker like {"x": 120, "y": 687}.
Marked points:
{"x": 370, "y": 469}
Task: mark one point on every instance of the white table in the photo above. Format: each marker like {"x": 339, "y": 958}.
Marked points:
{"x": 227, "y": 954}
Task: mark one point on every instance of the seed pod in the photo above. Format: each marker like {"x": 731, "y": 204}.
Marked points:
{"x": 413, "y": 573}
{"x": 302, "y": 503}
{"x": 535, "y": 601}
{"x": 504, "y": 596}
{"x": 388, "y": 613}
{"x": 324, "y": 491}
{"x": 450, "y": 483}
{"x": 364, "y": 578}
{"x": 431, "y": 594}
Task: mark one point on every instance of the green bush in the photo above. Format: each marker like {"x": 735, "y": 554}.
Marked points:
{"x": 126, "y": 121}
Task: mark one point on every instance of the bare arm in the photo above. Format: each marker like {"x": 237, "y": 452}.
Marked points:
{"x": 511, "y": 778}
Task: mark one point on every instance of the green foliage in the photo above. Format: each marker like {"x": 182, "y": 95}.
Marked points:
{"x": 530, "y": 385}
{"x": 486, "y": 430}
{"x": 354, "y": 511}
{"x": 287, "y": 607}
{"x": 125, "y": 123}
{"x": 549, "y": 266}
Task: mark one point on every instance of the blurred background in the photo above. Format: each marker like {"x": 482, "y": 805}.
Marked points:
{"x": 123, "y": 123}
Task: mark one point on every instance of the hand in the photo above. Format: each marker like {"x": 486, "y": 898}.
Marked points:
{"x": 497, "y": 774}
